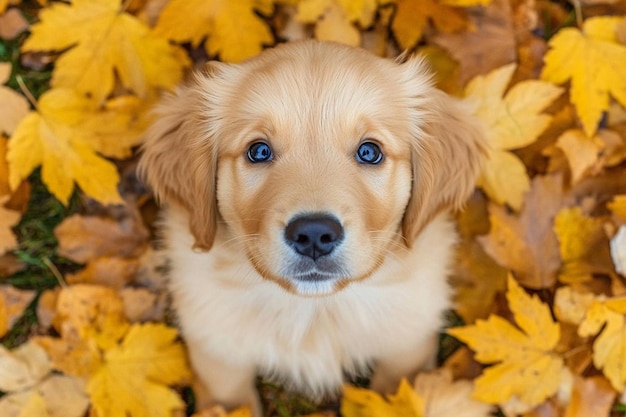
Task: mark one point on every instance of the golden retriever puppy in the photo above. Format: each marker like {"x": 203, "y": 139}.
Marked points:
{"x": 306, "y": 225}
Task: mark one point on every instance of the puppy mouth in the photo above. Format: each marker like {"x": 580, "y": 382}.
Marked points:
{"x": 315, "y": 276}
{"x": 326, "y": 268}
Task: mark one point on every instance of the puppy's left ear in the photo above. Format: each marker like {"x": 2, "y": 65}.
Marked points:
{"x": 449, "y": 148}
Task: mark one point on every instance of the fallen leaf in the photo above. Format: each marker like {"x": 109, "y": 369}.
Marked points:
{"x": 360, "y": 402}
{"x": 125, "y": 48}
{"x": 444, "y": 397}
{"x": 445, "y": 67}
{"x": 12, "y": 24}
{"x": 14, "y": 105}
{"x": 13, "y": 302}
{"x": 334, "y": 25}
{"x": 230, "y": 29}
{"x": 618, "y": 206}
{"x": 112, "y": 272}
{"x": 527, "y": 243}
{"x": 591, "y": 397}
{"x": 606, "y": 319}
{"x": 571, "y": 305}
{"x": 526, "y": 367}
{"x": 65, "y": 137}
{"x": 134, "y": 377}
{"x": 592, "y": 60}
{"x": 71, "y": 355}
{"x": 581, "y": 151}
{"x": 10, "y": 264}
{"x": 361, "y": 12}
{"x": 23, "y": 367}
{"x": 8, "y": 219}
{"x": 83, "y": 238}
{"x": 55, "y": 396}
{"x": 141, "y": 305}
{"x": 512, "y": 121}
{"x": 91, "y": 312}
{"x": 477, "y": 278}
{"x": 47, "y": 307}
{"x": 581, "y": 241}
{"x": 489, "y": 43}
{"x": 5, "y": 189}
{"x": 412, "y": 17}
{"x": 219, "y": 411}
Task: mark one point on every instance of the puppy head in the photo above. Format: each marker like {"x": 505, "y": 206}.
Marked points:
{"x": 317, "y": 159}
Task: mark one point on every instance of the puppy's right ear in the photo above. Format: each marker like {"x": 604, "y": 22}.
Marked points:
{"x": 179, "y": 160}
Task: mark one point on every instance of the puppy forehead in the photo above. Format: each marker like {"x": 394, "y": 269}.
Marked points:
{"x": 325, "y": 90}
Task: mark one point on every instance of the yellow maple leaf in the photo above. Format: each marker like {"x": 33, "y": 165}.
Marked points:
{"x": 577, "y": 236}
{"x": 232, "y": 28}
{"x": 359, "y": 11}
{"x": 512, "y": 121}
{"x": 608, "y": 318}
{"x": 412, "y": 17}
{"x": 14, "y": 105}
{"x": 334, "y": 25}
{"x": 526, "y": 368}
{"x": 134, "y": 378}
{"x": 593, "y": 60}
{"x": 65, "y": 137}
{"x": 618, "y": 206}
{"x": 360, "y": 402}
{"x": 91, "y": 312}
{"x": 103, "y": 42}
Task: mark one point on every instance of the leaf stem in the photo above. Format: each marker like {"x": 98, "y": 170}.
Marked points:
{"x": 579, "y": 13}
{"x": 55, "y": 271}
{"x": 26, "y": 91}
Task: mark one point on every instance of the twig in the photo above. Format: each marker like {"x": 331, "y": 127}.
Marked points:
{"x": 578, "y": 10}
{"x": 55, "y": 271}
{"x": 26, "y": 91}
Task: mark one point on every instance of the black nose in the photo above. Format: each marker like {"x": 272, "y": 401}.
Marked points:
{"x": 314, "y": 235}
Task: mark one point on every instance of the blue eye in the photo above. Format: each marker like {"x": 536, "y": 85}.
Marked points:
{"x": 260, "y": 152}
{"x": 369, "y": 153}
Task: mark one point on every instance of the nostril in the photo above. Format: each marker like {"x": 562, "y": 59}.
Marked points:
{"x": 326, "y": 238}
{"x": 314, "y": 235}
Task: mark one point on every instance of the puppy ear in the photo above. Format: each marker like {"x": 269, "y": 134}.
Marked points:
{"x": 179, "y": 160}
{"x": 447, "y": 156}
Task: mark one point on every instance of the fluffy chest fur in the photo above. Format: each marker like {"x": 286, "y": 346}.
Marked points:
{"x": 307, "y": 342}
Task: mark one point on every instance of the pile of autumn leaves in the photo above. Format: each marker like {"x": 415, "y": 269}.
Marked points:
{"x": 552, "y": 211}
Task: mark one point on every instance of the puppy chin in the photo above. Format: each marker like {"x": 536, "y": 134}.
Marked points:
{"x": 315, "y": 286}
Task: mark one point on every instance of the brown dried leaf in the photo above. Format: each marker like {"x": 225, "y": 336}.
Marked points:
{"x": 527, "y": 244}
{"x": 13, "y": 302}
{"x": 106, "y": 271}
{"x": 142, "y": 305}
{"x": 9, "y": 265}
{"x": 445, "y": 397}
{"x": 12, "y": 23}
{"x": 84, "y": 238}
{"x": 591, "y": 397}
{"x": 490, "y": 46}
